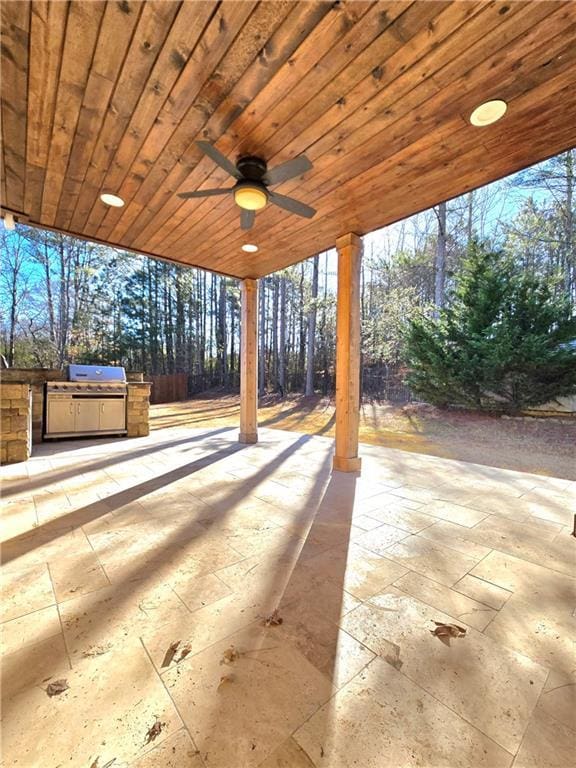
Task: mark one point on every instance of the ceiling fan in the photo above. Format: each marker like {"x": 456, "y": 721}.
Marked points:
{"x": 253, "y": 179}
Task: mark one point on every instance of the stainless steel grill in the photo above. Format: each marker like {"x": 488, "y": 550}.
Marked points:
{"x": 91, "y": 402}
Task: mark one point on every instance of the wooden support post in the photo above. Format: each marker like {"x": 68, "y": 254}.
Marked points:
{"x": 348, "y": 354}
{"x": 249, "y": 363}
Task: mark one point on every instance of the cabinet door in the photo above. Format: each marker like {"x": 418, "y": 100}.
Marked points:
{"x": 60, "y": 416}
{"x": 87, "y": 414}
{"x": 113, "y": 414}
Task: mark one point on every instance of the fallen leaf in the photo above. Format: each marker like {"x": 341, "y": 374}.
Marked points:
{"x": 229, "y": 655}
{"x": 448, "y": 630}
{"x": 155, "y": 731}
{"x": 170, "y": 653}
{"x": 58, "y": 686}
{"x": 444, "y": 632}
{"x": 225, "y": 679}
{"x": 184, "y": 652}
{"x": 273, "y": 620}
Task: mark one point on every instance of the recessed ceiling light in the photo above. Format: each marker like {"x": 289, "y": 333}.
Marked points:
{"x": 113, "y": 200}
{"x": 488, "y": 112}
{"x": 249, "y": 248}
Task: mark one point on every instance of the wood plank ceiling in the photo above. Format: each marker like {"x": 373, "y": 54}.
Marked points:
{"x": 111, "y": 96}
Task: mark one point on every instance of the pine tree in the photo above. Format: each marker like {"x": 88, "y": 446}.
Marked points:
{"x": 507, "y": 341}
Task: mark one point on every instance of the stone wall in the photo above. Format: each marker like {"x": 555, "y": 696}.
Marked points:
{"x": 138, "y": 414}
{"x": 14, "y": 423}
{"x": 35, "y": 377}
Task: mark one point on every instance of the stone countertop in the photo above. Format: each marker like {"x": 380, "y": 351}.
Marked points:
{"x": 41, "y": 375}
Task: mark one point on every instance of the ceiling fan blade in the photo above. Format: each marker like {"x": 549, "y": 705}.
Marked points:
{"x": 204, "y": 193}
{"x": 289, "y": 204}
{"x": 288, "y": 170}
{"x": 219, "y": 159}
{"x": 247, "y": 219}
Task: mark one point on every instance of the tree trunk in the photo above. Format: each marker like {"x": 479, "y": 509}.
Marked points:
{"x": 180, "y": 331}
{"x": 282, "y": 340}
{"x": 49, "y": 294}
{"x": 469, "y": 222}
{"x": 323, "y": 321}
{"x": 302, "y": 330}
{"x": 232, "y": 368}
{"x": 570, "y": 244}
{"x": 262, "y": 330}
{"x": 309, "y": 390}
{"x": 168, "y": 321}
{"x": 274, "y": 330}
{"x": 12, "y": 331}
{"x": 221, "y": 333}
{"x": 440, "y": 261}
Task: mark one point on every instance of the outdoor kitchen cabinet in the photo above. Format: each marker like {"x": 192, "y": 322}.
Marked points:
{"x": 87, "y": 415}
{"x": 60, "y": 416}
{"x": 84, "y": 415}
{"x": 112, "y": 414}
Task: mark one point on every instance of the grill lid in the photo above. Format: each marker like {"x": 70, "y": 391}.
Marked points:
{"x": 96, "y": 373}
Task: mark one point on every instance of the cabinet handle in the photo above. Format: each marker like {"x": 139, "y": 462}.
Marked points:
{"x": 101, "y": 407}
{"x": 71, "y": 408}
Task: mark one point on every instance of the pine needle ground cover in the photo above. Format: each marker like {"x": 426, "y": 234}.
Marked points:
{"x": 543, "y": 446}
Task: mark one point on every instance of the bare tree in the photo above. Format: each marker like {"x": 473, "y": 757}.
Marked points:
{"x": 15, "y": 284}
{"x": 311, "y": 331}
{"x": 282, "y": 339}
{"x": 440, "y": 259}
{"x": 262, "y": 353}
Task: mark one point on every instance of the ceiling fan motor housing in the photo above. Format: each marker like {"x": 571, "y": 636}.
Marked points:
{"x": 251, "y": 168}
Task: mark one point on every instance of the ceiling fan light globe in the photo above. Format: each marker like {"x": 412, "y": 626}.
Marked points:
{"x": 250, "y": 197}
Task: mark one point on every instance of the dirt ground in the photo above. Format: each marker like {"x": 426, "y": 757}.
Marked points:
{"x": 546, "y": 446}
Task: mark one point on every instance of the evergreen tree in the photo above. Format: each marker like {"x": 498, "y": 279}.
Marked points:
{"x": 507, "y": 341}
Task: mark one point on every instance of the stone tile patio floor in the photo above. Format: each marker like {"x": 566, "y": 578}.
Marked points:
{"x": 115, "y": 549}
